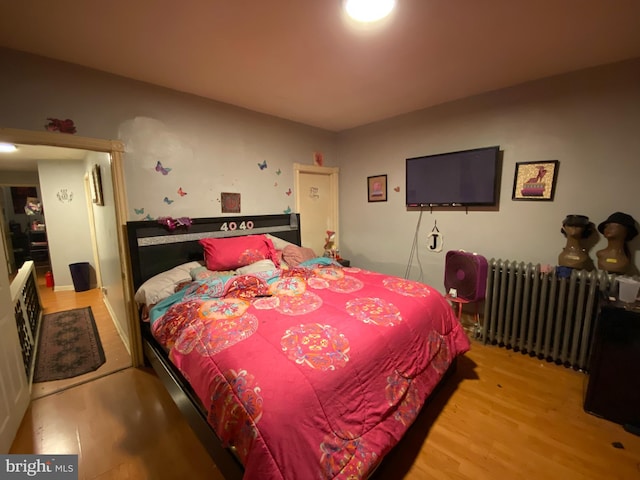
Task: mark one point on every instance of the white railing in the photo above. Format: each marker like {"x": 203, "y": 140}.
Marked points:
{"x": 27, "y": 308}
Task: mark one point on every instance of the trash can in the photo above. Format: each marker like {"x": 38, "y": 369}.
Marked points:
{"x": 80, "y": 276}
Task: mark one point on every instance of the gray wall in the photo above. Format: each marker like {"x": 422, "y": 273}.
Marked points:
{"x": 588, "y": 120}
{"x": 65, "y": 207}
{"x": 210, "y": 147}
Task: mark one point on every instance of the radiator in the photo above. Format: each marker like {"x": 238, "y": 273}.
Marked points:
{"x": 540, "y": 314}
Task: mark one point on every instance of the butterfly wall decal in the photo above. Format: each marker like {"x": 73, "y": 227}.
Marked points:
{"x": 288, "y": 210}
{"x": 288, "y": 192}
{"x": 148, "y": 217}
{"x": 168, "y": 201}
{"x": 161, "y": 169}
{"x": 263, "y": 165}
{"x": 396, "y": 189}
{"x": 139, "y": 211}
{"x": 278, "y": 172}
{"x": 275, "y": 184}
{"x": 181, "y": 192}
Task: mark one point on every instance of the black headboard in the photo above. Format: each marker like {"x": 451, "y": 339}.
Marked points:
{"x": 153, "y": 248}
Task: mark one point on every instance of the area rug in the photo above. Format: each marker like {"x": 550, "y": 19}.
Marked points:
{"x": 69, "y": 345}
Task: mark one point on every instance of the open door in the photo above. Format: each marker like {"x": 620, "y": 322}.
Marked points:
{"x": 14, "y": 386}
{"x": 7, "y": 248}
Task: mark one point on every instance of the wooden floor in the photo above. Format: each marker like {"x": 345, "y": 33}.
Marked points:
{"x": 502, "y": 415}
{"x": 117, "y": 356}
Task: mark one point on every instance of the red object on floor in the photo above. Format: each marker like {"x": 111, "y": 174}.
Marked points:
{"x": 461, "y": 301}
{"x": 48, "y": 277}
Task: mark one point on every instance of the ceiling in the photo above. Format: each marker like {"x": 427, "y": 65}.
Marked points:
{"x": 302, "y": 60}
{"x": 26, "y": 158}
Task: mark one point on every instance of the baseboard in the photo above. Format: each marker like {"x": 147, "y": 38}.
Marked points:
{"x": 123, "y": 336}
{"x": 63, "y": 288}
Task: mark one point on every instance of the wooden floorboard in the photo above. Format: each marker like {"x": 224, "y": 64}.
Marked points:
{"x": 507, "y": 415}
{"x": 122, "y": 426}
{"x": 117, "y": 355}
{"x": 502, "y": 415}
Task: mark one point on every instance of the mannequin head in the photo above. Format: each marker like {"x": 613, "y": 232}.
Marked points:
{"x": 619, "y": 226}
{"x": 573, "y": 255}
{"x": 577, "y": 226}
{"x": 618, "y": 229}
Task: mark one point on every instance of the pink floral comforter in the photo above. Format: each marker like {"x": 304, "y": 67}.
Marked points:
{"x": 311, "y": 373}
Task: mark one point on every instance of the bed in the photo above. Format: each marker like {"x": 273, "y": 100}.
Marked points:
{"x": 285, "y": 364}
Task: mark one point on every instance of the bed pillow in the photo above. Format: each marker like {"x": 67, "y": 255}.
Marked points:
{"x": 294, "y": 255}
{"x": 235, "y": 252}
{"x": 259, "y": 266}
{"x": 164, "y": 284}
{"x": 203, "y": 273}
{"x": 278, "y": 243}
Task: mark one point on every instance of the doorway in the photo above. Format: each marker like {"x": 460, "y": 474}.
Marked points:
{"x": 115, "y": 275}
{"x": 22, "y": 222}
{"x": 317, "y": 202}
{"x": 119, "y": 303}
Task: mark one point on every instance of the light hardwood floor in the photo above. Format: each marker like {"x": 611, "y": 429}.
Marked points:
{"x": 117, "y": 356}
{"x": 502, "y": 415}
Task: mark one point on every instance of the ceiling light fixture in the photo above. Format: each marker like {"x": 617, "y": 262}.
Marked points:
{"x": 368, "y": 10}
{"x": 7, "y": 147}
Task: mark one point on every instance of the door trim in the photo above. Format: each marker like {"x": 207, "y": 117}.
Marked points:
{"x": 115, "y": 148}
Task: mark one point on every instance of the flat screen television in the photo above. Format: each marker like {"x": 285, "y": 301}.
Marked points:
{"x": 467, "y": 177}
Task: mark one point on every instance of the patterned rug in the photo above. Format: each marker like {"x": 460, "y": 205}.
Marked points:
{"x": 69, "y": 345}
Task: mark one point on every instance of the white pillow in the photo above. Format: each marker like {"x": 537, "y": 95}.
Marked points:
{"x": 278, "y": 243}
{"x": 259, "y": 266}
{"x": 164, "y": 284}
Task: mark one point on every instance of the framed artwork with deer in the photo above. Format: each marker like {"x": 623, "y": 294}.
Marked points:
{"x": 535, "y": 180}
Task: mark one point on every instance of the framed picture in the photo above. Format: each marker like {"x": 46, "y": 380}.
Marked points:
{"x": 535, "y": 180}
{"x": 377, "y": 188}
{"x": 96, "y": 185}
{"x": 230, "y": 202}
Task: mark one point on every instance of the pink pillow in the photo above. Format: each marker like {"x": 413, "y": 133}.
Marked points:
{"x": 234, "y": 252}
{"x": 294, "y": 255}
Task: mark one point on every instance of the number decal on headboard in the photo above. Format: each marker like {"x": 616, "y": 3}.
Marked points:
{"x": 231, "y": 226}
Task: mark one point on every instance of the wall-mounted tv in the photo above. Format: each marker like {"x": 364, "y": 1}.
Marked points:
{"x": 468, "y": 177}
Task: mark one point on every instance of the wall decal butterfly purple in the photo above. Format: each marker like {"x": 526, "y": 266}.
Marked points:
{"x": 263, "y": 165}
{"x": 161, "y": 169}
{"x": 168, "y": 201}
{"x": 181, "y": 192}
{"x": 288, "y": 192}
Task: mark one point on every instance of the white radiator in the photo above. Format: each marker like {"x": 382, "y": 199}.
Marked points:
{"x": 541, "y": 314}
